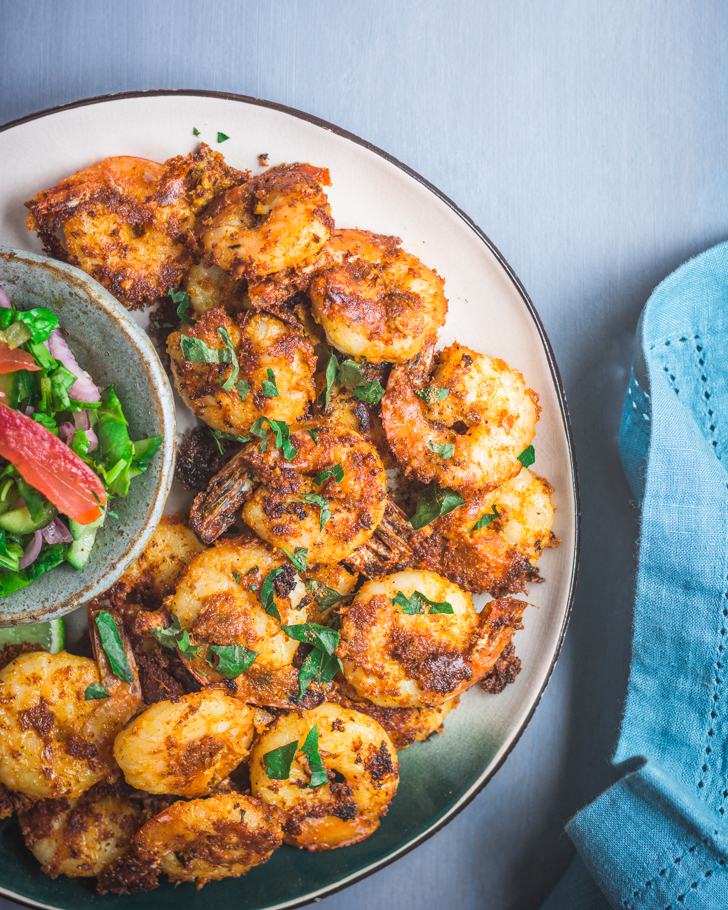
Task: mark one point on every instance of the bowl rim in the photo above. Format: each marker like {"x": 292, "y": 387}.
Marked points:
{"x": 558, "y": 384}
{"x": 162, "y": 398}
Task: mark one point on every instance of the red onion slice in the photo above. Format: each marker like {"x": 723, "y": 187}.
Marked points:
{"x": 82, "y": 420}
{"x": 93, "y": 439}
{"x": 83, "y": 388}
{"x": 4, "y": 302}
{"x": 31, "y": 551}
{"x": 66, "y": 431}
{"x": 56, "y": 532}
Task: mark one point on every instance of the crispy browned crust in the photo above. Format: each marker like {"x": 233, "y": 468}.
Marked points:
{"x": 7, "y": 805}
{"x": 9, "y": 652}
{"x": 199, "y": 459}
{"x": 504, "y": 672}
{"x": 388, "y": 550}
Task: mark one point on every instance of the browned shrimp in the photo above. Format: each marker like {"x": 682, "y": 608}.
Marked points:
{"x": 492, "y": 542}
{"x": 414, "y": 639}
{"x": 376, "y": 301}
{"x": 121, "y": 220}
{"x": 464, "y": 423}
{"x": 198, "y": 841}
{"x": 360, "y": 763}
{"x": 276, "y": 365}
{"x": 276, "y": 221}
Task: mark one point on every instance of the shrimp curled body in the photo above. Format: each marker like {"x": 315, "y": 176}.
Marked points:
{"x": 377, "y": 301}
{"x": 352, "y": 746}
{"x": 471, "y": 438}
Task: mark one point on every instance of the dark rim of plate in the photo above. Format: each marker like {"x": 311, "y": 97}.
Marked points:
{"x": 324, "y": 124}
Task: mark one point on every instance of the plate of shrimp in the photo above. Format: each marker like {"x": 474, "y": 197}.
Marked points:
{"x": 359, "y": 591}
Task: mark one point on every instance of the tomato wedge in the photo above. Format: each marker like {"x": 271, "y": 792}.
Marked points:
{"x": 13, "y": 360}
{"x": 50, "y": 466}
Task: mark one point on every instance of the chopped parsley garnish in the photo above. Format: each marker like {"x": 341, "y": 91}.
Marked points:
{"x": 321, "y": 664}
{"x": 486, "y": 519}
{"x": 428, "y": 395}
{"x": 337, "y": 472}
{"x": 95, "y": 690}
{"x": 315, "y": 499}
{"x": 445, "y": 449}
{"x": 267, "y": 593}
{"x": 310, "y": 749}
{"x": 243, "y": 387}
{"x": 278, "y": 761}
{"x": 299, "y": 557}
{"x": 283, "y": 436}
{"x": 351, "y": 376}
{"x": 238, "y": 577}
{"x": 270, "y": 389}
{"x": 417, "y": 602}
{"x": 324, "y": 596}
{"x": 434, "y": 502}
{"x": 113, "y": 647}
{"x": 314, "y": 434}
{"x": 230, "y": 381}
{"x": 232, "y": 660}
{"x": 332, "y": 371}
{"x": 527, "y": 456}
{"x": 175, "y": 638}
{"x": 195, "y": 131}
{"x": 221, "y": 137}
{"x": 182, "y": 299}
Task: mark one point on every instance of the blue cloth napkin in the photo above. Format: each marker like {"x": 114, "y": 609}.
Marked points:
{"x": 658, "y": 838}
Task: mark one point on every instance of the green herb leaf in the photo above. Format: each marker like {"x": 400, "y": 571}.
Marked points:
{"x": 95, "y": 690}
{"x": 310, "y": 749}
{"x": 115, "y": 450}
{"x": 485, "y": 520}
{"x": 314, "y": 434}
{"x": 45, "y": 421}
{"x": 278, "y": 761}
{"x": 315, "y": 499}
{"x": 417, "y": 602}
{"x": 221, "y": 137}
{"x": 230, "y": 381}
{"x": 270, "y": 389}
{"x": 175, "y": 637}
{"x": 10, "y": 553}
{"x": 267, "y": 592}
{"x": 42, "y": 357}
{"x": 445, "y": 449}
{"x": 195, "y": 131}
{"x": 324, "y": 596}
{"x": 232, "y": 659}
{"x": 332, "y": 372}
{"x": 434, "y": 502}
{"x": 114, "y": 649}
{"x": 312, "y": 633}
{"x": 299, "y": 557}
{"x": 33, "y": 499}
{"x": 182, "y": 299}
{"x": 351, "y": 376}
{"x": 243, "y": 387}
{"x": 318, "y": 666}
{"x": 282, "y": 433}
{"x": 195, "y": 350}
{"x": 428, "y": 395}
{"x": 527, "y": 456}
{"x": 337, "y": 472}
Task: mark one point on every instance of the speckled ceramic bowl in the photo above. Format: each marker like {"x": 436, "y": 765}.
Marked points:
{"x": 113, "y": 349}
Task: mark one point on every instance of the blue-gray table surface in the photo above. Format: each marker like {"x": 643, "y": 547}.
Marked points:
{"x": 590, "y": 141}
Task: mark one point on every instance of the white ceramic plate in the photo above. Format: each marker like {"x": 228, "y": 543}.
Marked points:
{"x": 489, "y": 311}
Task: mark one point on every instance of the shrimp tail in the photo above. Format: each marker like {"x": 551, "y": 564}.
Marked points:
{"x": 217, "y": 507}
{"x": 388, "y": 550}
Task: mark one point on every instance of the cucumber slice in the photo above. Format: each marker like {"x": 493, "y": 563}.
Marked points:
{"x": 19, "y": 521}
{"x": 51, "y": 635}
{"x": 83, "y": 541}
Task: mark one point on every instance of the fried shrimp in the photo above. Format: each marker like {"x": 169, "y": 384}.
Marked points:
{"x": 185, "y": 747}
{"x": 209, "y": 287}
{"x": 273, "y": 378}
{"x": 362, "y": 768}
{"x": 240, "y": 593}
{"x": 155, "y": 573}
{"x": 122, "y": 219}
{"x": 199, "y": 841}
{"x": 414, "y": 639}
{"x": 78, "y": 837}
{"x": 499, "y": 556}
{"x": 328, "y": 498}
{"x": 464, "y": 427}
{"x": 275, "y": 221}
{"x": 376, "y": 301}
{"x": 53, "y": 741}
